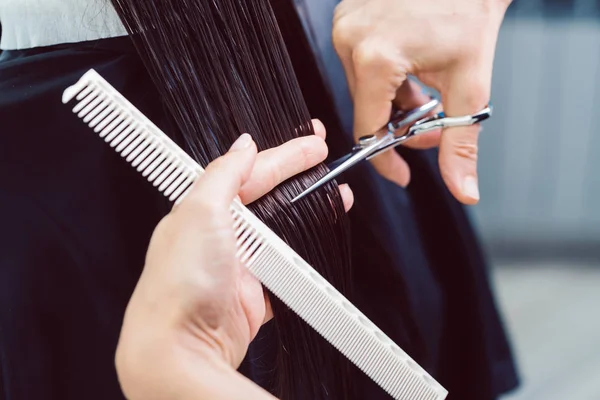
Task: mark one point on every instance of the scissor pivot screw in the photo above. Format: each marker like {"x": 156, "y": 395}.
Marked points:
{"x": 366, "y": 140}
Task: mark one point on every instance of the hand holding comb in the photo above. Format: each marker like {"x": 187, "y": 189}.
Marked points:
{"x": 271, "y": 260}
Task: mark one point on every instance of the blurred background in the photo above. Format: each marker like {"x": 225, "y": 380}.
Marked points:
{"x": 539, "y": 217}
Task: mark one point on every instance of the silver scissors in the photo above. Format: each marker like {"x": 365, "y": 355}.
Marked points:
{"x": 385, "y": 139}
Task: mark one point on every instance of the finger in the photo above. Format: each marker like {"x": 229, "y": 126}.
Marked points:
{"x": 458, "y": 147}
{"x": 319, "y": 128}
{"x": 377, "y": 78}
{"x": 268, "y": 308}
{"x": 347, "y": 196}
{"x": 392, "y": 167}
{"x": 411, "y": 95}
{"x": 223, "y": 178}
{"x": 253, "y": 302}
{"x": 278, "y": 164}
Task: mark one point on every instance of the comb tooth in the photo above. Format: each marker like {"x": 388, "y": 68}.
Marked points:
{"x": 237, "y": 223}
{"x": 409, "y": 387}
{"x": 170, "y": 179}
{"x": 405, "y": 376}
{"x": 87, "y": 90}
{"x": 389, "y": 377}
{"x": 157, "y": 166}
{"x": 386, "y": 372}
{"x": 116, "y": 125}
{"x": 167, "y": 173}
{"x": 243, "y": 228}
{"x": 246, "y": 244}
{"x": 136, "y": 146}
{"x": 156, "y": 172}
{"x": 110, "y": 121}
{"x": 151, "y": 161}
{"x": 182, "y": 196}
{"x": 370, "y": 349}
{"x": 258, "y": 242}
{"x": 145, "y": 157}
{"x": 420, "y": 389}
{"x": 92, "y": 105}
{"x": 118, "y": 135}
{"x": 182, "y": 189}
{"x": 109, "y": 108}
{"x": 176, "y": 184}
{"x": 425, "y": 390}
{"x": 87, "y": 100}
{"x": 142, "y": 150}
{"x": 121, "y": 140}
{"x": 129, "y": 143}
{"x": 114, "y": 133}
{"x": 92, "y": 109}
{"x": 245, "y": 232}
{"x": 256, "y": 254}
{"x": 242, "y": 249}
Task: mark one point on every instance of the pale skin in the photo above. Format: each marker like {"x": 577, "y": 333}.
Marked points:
{"x": 195, "y": 308}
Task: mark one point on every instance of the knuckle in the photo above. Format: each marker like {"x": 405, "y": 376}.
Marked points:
{"x": 479, "y": 92}
{"x": 342, "y": 33}
{"x": 216, "y": 165}
{"x": 312, "y": 151}
{"x": 274, "y": 175}
{"x": 466, "y": 150}
{"x": 368, "y": 55}
{"x": 201, "y": 205}
{"x": 268, "y": 171}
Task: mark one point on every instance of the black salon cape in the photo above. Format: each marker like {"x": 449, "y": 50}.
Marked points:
{"x": 76, "y": 221}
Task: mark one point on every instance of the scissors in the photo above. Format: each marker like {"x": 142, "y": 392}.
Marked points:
{"x": 385, "y": 139}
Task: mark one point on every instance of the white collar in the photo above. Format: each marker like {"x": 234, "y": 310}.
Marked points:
{"x": 35, "y": 23}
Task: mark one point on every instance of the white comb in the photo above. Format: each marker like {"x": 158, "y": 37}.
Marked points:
{"x": 270, "y": 259}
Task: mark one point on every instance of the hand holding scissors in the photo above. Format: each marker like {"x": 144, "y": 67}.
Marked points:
{"x": 448, "y": 45}
{"x": 386, "y": 138}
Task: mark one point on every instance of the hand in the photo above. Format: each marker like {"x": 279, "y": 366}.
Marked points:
{"x": 196, "y": 308}
{"x": 449, "y": 45}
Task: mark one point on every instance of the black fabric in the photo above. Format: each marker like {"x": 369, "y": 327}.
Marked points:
{"x": 77, "y": 219}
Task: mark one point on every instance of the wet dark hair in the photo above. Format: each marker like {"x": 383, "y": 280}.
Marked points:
{"x": 222, "y": 69}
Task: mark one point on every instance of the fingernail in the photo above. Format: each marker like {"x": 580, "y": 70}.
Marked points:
{"x": 347, "y": 196}
{"x": 241, "y": 143}
{"x": 344, "y": 189}
{"x": 470, "y": 188}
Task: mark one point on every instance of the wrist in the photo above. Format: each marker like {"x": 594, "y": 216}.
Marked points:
{"x": 171, "y": 371}
{"x": 212, "y": 345}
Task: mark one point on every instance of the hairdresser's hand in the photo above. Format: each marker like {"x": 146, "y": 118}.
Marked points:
{"x": 196, "y": 308}
{"x": 449, "y": 45}
{"x": 276, "y": 165}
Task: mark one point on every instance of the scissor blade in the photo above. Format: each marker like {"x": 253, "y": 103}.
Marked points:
{"x": 384, "y": 137}
{"x": 337, "y": 167}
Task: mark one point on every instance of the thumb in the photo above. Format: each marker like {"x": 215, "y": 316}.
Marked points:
{"x": 465, "y": 95}
{"x": 223, "y": 178}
